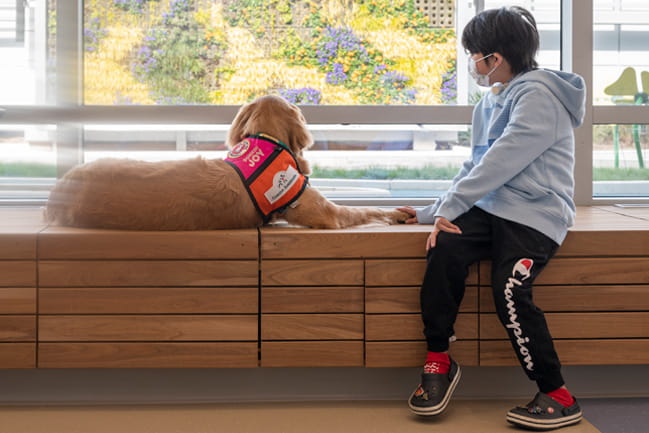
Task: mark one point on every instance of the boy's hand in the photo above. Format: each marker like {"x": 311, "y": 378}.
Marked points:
{"x": 410, "y": 211}
{"x": 441, "y": 225}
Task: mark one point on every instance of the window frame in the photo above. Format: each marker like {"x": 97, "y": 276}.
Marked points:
{"x": 69, "y": 115}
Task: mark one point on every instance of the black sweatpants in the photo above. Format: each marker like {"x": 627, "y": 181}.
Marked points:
{"x": 518, "y": 254}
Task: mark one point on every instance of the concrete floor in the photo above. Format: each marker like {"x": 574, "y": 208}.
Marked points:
{"x": 462, "y": 416}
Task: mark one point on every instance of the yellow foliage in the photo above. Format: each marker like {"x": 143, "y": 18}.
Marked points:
{"x": 255, "y": 73}
{"x": 105, "y": 76}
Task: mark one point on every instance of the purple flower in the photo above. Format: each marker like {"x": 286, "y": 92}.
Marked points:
{"x": 336, "y": 75}
{"x": 448, "y": 90}
{"x": 305, "y": 96}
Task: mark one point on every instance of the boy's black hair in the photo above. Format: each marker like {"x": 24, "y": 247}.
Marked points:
{"x": 510, "y": 31}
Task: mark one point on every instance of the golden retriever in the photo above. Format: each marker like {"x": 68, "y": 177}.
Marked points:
{"x": 199, "y": 194}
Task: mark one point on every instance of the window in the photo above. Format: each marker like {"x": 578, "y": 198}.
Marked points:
{"x": 383, "y": 84}
{"x": 620, "y": 78}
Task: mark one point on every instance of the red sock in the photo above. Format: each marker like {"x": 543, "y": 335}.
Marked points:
{"x": 437, "y": 362}
{"x": 562, "y": 396}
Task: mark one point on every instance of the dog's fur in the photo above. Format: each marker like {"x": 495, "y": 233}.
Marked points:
{"x": 198, "y": 194}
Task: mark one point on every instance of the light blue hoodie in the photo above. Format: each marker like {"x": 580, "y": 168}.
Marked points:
{"x": 522, "y": 155}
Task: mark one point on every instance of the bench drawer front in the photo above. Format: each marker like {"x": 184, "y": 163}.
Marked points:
{"x": 312, "y": 327}
{"x": 312, "y": 273}
{"x": 17, "y": 273}
{"x": 159, "y": 273}
{"x": 403, "y": 272}
{"x": 20, "y": 300}
{"x": 17, "y": 355}
{"x": 347, "y": 299}
{"x": 148, "y": 328}
{"x": 147, "y": 355}
{"x": 149, "y": 300}
{"x": 312, "y": 354}
{"x": 17, "y": 328}
{"x": 18, "y": 243}
{"x": 406, "y": 300}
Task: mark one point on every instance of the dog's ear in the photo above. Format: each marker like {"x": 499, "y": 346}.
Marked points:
{"x": 300, "y": 137}
{"x": 240, "y": 127}
{"x": 303, "y": 165}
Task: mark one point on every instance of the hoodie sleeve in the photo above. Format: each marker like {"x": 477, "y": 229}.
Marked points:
{"x": 427, "y": 214}
{"x": 529, "y": 132}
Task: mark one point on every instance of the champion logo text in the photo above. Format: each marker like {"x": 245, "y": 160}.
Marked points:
{"x": 520, "y": 272}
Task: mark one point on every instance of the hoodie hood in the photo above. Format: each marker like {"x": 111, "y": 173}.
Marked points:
{"x": 568, "y": 88}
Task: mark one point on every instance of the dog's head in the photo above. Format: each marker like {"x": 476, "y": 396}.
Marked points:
{"x": 276, "y": 117}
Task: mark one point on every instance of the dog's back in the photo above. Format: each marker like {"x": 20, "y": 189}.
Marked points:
{"x": 190, "y": 194}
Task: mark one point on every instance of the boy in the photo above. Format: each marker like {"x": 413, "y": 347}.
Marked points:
{"x": 510, "y": 203}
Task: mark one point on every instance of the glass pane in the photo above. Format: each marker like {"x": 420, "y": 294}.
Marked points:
{"x": 620, "y": 161}
{"x": 27, "y": 163}
{"x": 621, "y": 52}
{"x": 226, "y": 52}
{"x": 368, "y": 161}
{"x": 25, "y": 39}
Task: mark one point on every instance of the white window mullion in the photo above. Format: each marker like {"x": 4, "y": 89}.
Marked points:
{"x": 69, "y": 77}
{"x": 577, "y": 56}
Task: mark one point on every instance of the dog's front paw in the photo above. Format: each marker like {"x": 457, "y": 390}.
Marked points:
{"x": 398, "y": 217}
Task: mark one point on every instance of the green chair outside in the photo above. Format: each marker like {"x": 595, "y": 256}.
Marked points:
{"x": 625, "y": 91}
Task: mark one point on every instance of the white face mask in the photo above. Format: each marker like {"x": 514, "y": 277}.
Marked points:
{"x": 480, "y": 79}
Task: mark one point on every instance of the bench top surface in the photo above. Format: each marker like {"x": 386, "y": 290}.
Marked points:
{"x": 598, "y": 231}
{"x": 589, "y": 218}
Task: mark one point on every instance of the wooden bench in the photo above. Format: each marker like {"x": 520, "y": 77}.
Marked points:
{"x": 289, "y": 297}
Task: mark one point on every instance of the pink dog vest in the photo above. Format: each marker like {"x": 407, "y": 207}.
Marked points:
{"x": 269, "y": 171}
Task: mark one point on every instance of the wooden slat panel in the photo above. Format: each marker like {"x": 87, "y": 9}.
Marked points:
{"x": 154, "y": 300}
{"x": 147, "y": 328}
{"x": 18, "y": 300}
{"x": 18, "y": 243}
{"x": 17, "y": 355}
{"x": 386, "y": 327}
{"x": 406, "y": 300}
{"x": 579, "y": 325}
{"x": 574, "y": 352}
{"x": 287, "y": 243}
{"x": 124, "y": 273}
{"x": 147, "y": 355}
{"x": 606, "y": 242}
{"x": 611, "y": 270}
{"x": 17, "y": 273}
{"x": 413, "y": 353}
{"x": 407, "y": 272}
{"x": 581, "y": 298}
{"x": 312, "y": 272}
{"x": 312, "y": 354}
{"x": 17, "y": 328}
{"x": 312, "y": 300}
{"x": 71, "y": 243}
{"x": 312, "y": 326}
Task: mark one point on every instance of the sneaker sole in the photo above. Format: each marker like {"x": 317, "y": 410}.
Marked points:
{"x": 543, "y": 425}
{"x": 436, "y": 410}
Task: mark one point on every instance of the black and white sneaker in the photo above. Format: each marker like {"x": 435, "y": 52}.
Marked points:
{"x": 544, "y": 413}
{"x": 435, "y": 391}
